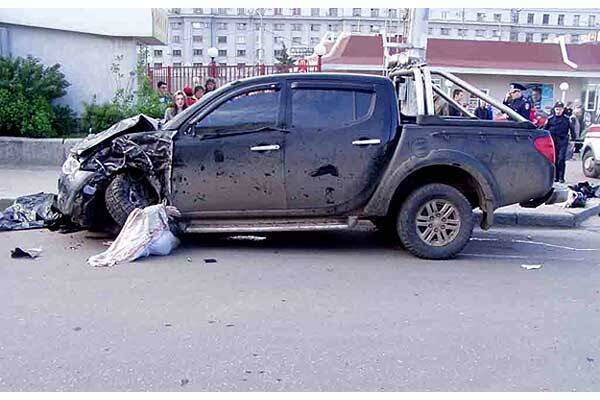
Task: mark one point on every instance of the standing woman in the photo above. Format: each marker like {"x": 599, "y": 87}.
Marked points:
{"x": 210, "y": 85}
{"x": 179, "y": 104}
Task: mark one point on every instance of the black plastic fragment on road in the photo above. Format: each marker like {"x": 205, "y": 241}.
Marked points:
{"x": 210, "y": 260}
{"x": 20, "y": 253}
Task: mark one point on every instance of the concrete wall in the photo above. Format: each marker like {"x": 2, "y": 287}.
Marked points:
{"x": 85, "y": 59}
{"x": 22, "y": 151}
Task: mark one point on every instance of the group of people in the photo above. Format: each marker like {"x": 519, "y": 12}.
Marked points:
{"x": 182, "y": 99}
{"x": 565, "y": 123}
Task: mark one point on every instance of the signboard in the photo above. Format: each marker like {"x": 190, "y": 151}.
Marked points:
{"x": 541, "y": 95}
{"x": 301, "y": 51}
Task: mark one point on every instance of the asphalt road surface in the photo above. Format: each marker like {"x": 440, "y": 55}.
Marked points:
{"x": 318, "y": 312}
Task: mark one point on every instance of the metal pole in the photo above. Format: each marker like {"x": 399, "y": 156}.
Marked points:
{"x": 417, "y": 33}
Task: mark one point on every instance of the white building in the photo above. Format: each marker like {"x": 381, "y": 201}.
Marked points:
{"x": 514, "y": 24}
{"x": 87, "y": 43}
{"x": 236, "y": 32}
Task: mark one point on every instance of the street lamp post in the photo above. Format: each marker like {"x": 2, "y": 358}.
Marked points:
{"x": 212, "y": 53}
{"x": 564, "y": 87}
{"x": 320, "y": 51}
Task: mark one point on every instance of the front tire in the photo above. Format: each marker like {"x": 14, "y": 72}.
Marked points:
{"x": 589, "y": 164}
{"x": 125, "y": 193}
{"x": 435, "y": 222}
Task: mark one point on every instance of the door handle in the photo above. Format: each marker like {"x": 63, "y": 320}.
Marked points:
{"x": 268, "y": 147}
{"x": 366, "y": 142}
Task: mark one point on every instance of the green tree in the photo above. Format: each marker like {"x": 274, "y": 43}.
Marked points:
{"x": 284, "y": 58}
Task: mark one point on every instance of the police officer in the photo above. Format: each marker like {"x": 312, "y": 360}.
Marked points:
{"x": 559, "y": 126}
{"x": 514, "y": 99}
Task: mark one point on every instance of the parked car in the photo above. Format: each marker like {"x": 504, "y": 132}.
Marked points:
{"x": 301, "y": 152}
{"x": 590, "y": 159}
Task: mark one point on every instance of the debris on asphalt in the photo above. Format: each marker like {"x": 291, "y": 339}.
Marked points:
{"x": 531, "y": 266}
{"x": 184, "y": 382}
{"x": 189, "y": 259}
{"x": 589, "y": 359}
{"x": 77, "y": 328}
{"x": 27, "y": 253}
{"x": 249, "y": 237}
{"x": 146, "y": 232}
{"x": 580, "y": 193}
{"x": 29, "y": 212}
{"x": 210, "y": 260}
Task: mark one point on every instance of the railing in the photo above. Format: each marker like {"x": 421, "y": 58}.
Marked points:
{"x": 177, "y": 78}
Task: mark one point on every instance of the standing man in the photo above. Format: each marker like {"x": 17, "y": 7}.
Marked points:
{"x": 559, "y": 126}
{"x": 459, "y": 96}
{"x": 163, "y": 94}
{"x": 514, "y": 99}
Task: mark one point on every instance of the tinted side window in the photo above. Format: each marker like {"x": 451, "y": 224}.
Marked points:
{"x": 322, "y": 108}
{"x": 249, "y": 110}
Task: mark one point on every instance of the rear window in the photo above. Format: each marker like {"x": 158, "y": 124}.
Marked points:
{"x": 323, "y": 108}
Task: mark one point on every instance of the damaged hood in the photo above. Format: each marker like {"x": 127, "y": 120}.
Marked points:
{"x": 137, "y": 123}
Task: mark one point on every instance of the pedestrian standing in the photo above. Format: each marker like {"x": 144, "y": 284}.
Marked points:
{"x": 210, "y": 85}
{"x": 179, "y": 104}
{"x": 189, "y": 96}
{"x": 514, "y": 99}
{"x": 459, "y": 96}
{"x": 164, "y": 97}
{"x": 559, "y": 126}
{"x": 484, "y": 111}
{"x": 198, "y": 92}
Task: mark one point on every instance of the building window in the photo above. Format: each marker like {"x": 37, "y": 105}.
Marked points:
{"x": 462, "y": 32}
{"x": 221, "y": 39}
{"x": 574, "y": 38}
{"x": 544, "y": 37}
{"x": 221, "y": 11}
{"x": 356, "y": 12}
{"x": 296, "y": 11}
{"x": 314, "y": 41}
{"x": 198, "y": 11}
{"x": 197, "y": 25}
{"x": 530, "y": 18}
{"x": 561, "y": 19}
{"x": 177, "y": 64}
{"x": 479, "y": 33}
{"x": 355, "y": 28}
{"x": 576, "y": 19}
{"x": 430, "y": 31}
{"x": 175, "y": 25}
{"x": 278, "y": 53}
{"x": 496, "y": 33}
{"x": 242, "y": 26}
{"x": 277, "y": 39}
{"x": 197, "y": 52}
{"x": 241, "y": 53}
{"x": 222, "y": 26}
{"x": 296, "y": 40}
{"x": 592, "y": 20}
{"x": 277, "y": 11}
{"x": 296, "y": 27}
{"x": 176, "y": 39}
{"x": 514, "y": 36}
{"x": 278, "y": 27}
{"x": 480, "y": 17}
{"x": 392, "y": 13}
{"x": 197, "y": 38}
{"x": 315, "y": 27}
{"x": 545, "y": 19}
{"x": 157, "y": 65}
{"x": 222, "y": 53}
{"x": 374, "y": 28}
{"x": 444, "y": 14}
{"x": 240, "y": 40}
{"x": 175, "y": 10}
{"x": 445, "y": 31}
{"x": 158, "y": 53}
{"x": 198, "y": 64}
{"x": 333, "y": 12}
{"x": 241, "y": 11}
{"x": 514, "y": 17}
{"x": 314, "y": 12}
{"x": 333, "y": 27}
{"x": 374, "y": 12}
{"x": 529, "y": 37}
{"x": 497, "y": 17}
{"x": 176, "y": 53}
{"x": 241, "y": 65}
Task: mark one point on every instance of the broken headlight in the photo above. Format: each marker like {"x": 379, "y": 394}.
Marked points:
{"x": 70, "y": 165}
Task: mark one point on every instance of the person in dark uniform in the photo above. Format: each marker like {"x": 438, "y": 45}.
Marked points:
{"x": 560, "y": 127}
{"x": 515, "y": 100}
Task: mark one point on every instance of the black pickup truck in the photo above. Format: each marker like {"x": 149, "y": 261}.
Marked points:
{"x": 302, "y": 152}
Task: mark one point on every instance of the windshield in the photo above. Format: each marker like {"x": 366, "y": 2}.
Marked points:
{"x": 179, "y": 118}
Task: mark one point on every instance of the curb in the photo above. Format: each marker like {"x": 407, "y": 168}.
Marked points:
{"x": 527, "y": 218}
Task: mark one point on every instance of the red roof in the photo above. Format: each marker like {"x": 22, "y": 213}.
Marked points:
{"x": 510, "y": 55}
{"x": 368, "y": 51}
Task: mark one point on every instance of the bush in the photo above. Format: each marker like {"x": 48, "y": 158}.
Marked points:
{"x": 98, "y": 117}
{"x": 27, "y": 89}
{"x": 65, "y": 122}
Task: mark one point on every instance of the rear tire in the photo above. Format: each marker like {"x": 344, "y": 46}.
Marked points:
{"x": 589, "y": 165}
{"x": 435, "y": 222}
{"x": 124, "y": 194}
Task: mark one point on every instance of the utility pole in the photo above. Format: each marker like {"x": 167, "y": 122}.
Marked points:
{"x": 417, "y": 33}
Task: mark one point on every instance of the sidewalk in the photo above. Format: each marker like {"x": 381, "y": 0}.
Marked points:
{"x": 34, "y": 179}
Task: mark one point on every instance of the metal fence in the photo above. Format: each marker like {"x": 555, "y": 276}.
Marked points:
{"x": 177, "y": 78}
